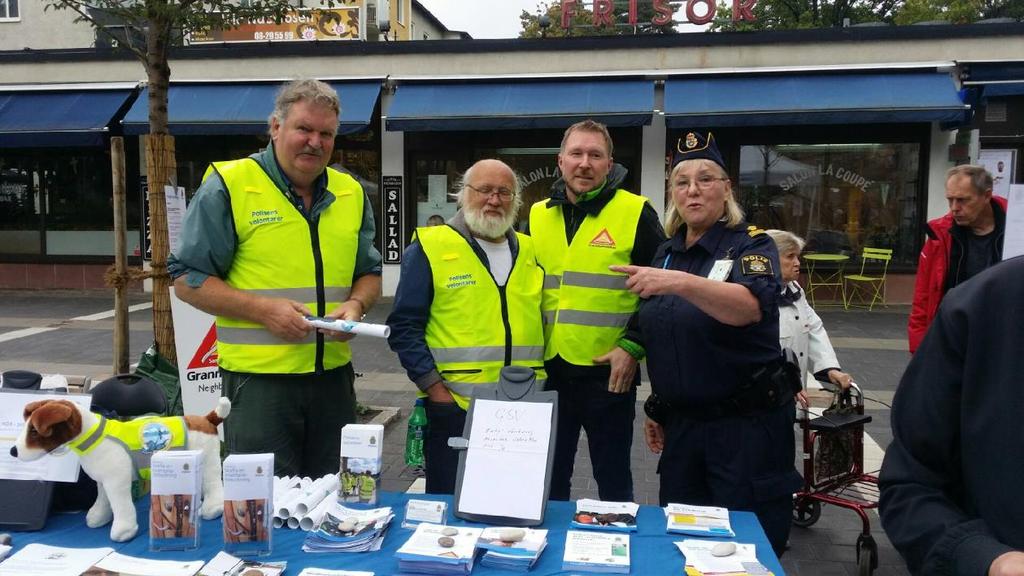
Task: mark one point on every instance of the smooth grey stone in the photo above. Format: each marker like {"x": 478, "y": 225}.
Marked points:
{"x": 723, "y": 549}
{"x": 449, "y": 531}
{"x": 512, "y": 534}
{"x": 446, "y": 541}
{"x": 348, "y": 525}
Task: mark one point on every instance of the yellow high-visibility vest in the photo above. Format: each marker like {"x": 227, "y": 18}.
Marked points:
{"x": 477, "y": 327}
{"x": 586, "y": 305}
{"x": 281, "y": 254}
{"x": 140, "y": 438}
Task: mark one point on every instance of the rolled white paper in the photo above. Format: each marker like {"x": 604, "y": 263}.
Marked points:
{"x": 278, "y": 522}
{"x": 321, "y": 489}
{"x": 310, "y": 521}
{"x": 350, "y": 326}
{"x": 292, "y": 522}
{"x": 288, "y": 499}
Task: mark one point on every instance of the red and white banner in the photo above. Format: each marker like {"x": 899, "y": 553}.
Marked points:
{"x": 195, "y": 337}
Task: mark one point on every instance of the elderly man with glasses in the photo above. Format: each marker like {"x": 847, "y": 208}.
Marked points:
{"x": 468, "y": 304}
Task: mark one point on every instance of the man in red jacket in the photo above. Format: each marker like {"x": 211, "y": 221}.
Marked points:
{"x": 960, "y": 244}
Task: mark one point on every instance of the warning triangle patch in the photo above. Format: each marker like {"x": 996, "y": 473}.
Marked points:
{"x": 206, "y": 354}
{"x": 603, "y": 240}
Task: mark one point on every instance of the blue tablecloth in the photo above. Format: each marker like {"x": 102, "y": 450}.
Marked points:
{"x": 652, "y": 548}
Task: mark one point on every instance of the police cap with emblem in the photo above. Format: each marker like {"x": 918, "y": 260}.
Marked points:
{"x": 698, "y": 146}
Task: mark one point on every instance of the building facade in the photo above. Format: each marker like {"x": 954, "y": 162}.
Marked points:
{"x": 840, "y": 135}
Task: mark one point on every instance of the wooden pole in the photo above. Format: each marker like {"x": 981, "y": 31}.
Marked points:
{"x": 120, "y": 256}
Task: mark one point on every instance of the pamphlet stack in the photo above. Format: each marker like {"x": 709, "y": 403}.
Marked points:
{"x": 349, "y": 530}
{"x": 505, "y": 554}
{"x": 436, "y": 549}
{"x": 589, "y": 551}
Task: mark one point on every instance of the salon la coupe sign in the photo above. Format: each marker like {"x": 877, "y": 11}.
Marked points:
{"x": 697, "y": 11}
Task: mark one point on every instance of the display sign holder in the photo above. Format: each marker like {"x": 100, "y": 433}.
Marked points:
{"x": 517, "y": 424}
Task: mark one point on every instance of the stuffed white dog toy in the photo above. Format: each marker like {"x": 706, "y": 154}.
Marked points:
{"x": 114, "y": 453}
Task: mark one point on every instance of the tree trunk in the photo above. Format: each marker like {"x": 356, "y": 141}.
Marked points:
{"x": 161, "y": 170}
{"x": 120, "y": 257}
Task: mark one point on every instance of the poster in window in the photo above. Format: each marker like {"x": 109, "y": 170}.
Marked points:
{"x": 1000, "y": 164}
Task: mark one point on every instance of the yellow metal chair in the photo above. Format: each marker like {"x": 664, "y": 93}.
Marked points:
{"x": 868, "y": 284}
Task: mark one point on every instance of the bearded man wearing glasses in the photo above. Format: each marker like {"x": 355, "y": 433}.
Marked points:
{"x": 467, "y": 305}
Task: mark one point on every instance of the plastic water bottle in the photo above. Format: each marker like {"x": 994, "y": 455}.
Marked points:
{"x": 415, "y": 435}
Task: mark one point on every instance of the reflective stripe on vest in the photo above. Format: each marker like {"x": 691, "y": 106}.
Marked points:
{"x": 466, "y": 331}
{"x": 275, "y": 258}
{"x": 586, "y": 306}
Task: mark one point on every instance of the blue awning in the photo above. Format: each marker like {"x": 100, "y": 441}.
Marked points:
{"x": 59, "y": 117}
{"x": 208, "y": 109}
{"x": 1004, "y": 89}
{"x": 818, "y": 99}
{"x": 520, "y": 105}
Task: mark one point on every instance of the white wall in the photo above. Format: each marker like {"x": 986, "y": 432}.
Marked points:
{"x": 938, "y": 164}
{"x": 652, "y": 161}
{"x": 39, "y": 29}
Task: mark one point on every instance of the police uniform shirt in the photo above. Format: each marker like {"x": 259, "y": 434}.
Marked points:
{"x": 692, "y": 358}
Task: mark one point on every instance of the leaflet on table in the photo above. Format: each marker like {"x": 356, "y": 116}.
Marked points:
{"x": 431, "y": 511}
{"x": 425, "y": 544}
{"x": 325, "y": 572}
{"x": 224, "y": 564}
{"x": 698, "y": 555}
{"x": 600, "y": 515}
{"x": 43, "y": 560}
{"x": 596, "y": 552}
{"x": 116, "y": 563}
{"x": 698, "y": 520}
{"x": 532, "y": 544}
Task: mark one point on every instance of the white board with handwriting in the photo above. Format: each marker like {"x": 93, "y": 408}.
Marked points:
{"x": 506, "y": 462}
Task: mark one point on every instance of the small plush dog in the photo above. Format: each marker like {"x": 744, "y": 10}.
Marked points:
{"x": 114, "y": 453}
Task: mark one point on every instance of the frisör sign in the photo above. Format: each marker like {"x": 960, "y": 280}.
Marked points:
{"x": 697, "y": 12}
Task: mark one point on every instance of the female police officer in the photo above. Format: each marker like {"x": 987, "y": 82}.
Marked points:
{"x": 721, "y": 409}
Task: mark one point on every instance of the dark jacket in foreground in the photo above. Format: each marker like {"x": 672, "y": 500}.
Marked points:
{"x": 951, "y": 479}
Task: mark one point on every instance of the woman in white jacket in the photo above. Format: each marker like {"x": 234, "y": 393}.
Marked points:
{"x": 800, "y": 327}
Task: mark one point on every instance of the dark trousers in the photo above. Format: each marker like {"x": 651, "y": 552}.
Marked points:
{"x": 444, "y": 420}
{"x": 608, "y": 420}
{"x": 298, "y": 418}
{"x": 740, "y": 463}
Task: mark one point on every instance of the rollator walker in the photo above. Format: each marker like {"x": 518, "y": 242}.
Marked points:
{"x": 833, "y": 455}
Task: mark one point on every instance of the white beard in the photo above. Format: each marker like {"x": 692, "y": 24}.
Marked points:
{"x": 488, "y": 226}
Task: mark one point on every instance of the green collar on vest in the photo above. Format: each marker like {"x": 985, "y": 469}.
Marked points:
{"x": 593, "y": 193}
{"x": 91, "y": 438}
{"x": 268, "y": 161}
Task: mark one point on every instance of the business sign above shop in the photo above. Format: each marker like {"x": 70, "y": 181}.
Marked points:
{"x": 697, "y": 11}
{"x": 297, "y": 25}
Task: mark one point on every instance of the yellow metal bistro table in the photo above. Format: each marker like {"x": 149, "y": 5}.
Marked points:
{"x": 825, "y": 271}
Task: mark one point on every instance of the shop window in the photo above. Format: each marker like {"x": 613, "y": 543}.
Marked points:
{"x": 433, "y": 182}
{"x": 838, "y": 197}
{"x": 59, "y": 202}
{"x": 20, "y": 209}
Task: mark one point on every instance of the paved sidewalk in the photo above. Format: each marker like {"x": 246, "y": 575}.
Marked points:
{"x": 66, "y": 332}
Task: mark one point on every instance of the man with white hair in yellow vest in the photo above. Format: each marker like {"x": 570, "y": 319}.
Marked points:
{"x": 468, "y": 304}
{"x": 266, "y": 241}
{"x": 589, "y": 224}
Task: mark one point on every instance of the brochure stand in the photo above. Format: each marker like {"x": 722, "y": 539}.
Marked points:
{"x": 24, "y": 504}
{"x": 517, "y": 423}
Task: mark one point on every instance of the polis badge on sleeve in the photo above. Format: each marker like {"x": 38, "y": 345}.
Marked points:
{"x": 756, "y": 265}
